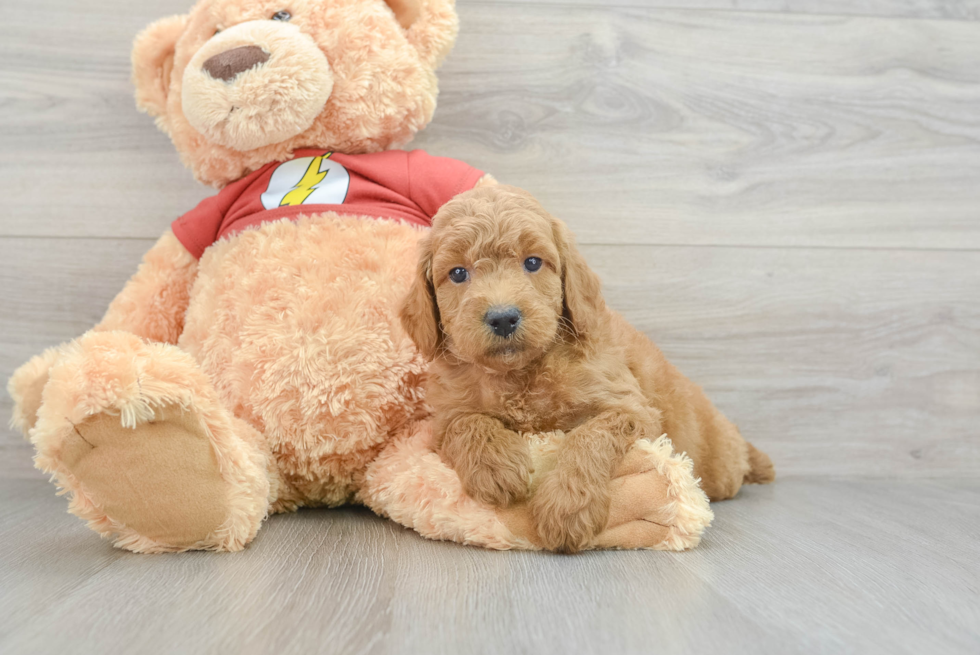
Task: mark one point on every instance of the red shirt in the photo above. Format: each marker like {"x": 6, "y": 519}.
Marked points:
{"x": 408, "y": 186}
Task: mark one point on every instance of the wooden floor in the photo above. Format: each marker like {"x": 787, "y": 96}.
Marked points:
{"x": 784, "y": 194}
{"x": 856, "y": 566}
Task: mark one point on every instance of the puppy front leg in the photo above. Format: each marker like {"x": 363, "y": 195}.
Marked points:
{"x": 493, "y": 463}
{"x": 571, "y": 506}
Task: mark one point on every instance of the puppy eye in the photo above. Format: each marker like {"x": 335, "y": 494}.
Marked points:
{"x": 532, "y": 264}
{"x": 459, "y": 275}
{"x": 282, "y": 15}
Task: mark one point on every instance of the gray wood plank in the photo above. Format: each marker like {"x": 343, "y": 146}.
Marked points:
{"x": 673, "y": 127}
{"x": 895, "y": 560}
{"x": 52, "y": 290}
{"x": 636, "y": 125}
{"x": 929, "y": 9}
{"x": 836, "y": 362}
{"x": 802, "y": 566}
{"x": 37, "y": 532}
{"x": 76, "y": 158}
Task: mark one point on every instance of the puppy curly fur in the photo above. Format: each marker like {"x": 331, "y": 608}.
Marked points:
{"x": 572, "y": 364}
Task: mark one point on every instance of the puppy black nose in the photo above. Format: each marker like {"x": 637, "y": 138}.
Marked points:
{"x": 503, "y": 320}
{"x": 228, "y": 64}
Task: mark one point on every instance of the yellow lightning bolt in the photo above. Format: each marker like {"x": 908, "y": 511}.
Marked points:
{"x": 311, "y": 178}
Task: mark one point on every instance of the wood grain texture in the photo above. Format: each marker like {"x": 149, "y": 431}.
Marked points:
{"x": 674, "y": 127}
{"x": 52, "y": 290}
{"x": 635, "y": 125}
{"x": 801, "y": 567}
{"x": 937, "y": 9}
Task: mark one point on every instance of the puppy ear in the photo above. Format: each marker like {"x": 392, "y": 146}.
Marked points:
{"x": 420, "y": 313}
{"x": 153, "y": 62}
{"x": 431, "y": 26}
{"x": 583, "y": 306}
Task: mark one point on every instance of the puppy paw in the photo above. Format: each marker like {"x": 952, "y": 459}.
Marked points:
{"x": 501, "y": 479}
{"x": 569, "y": 512}
{"x": 493, "y": 463}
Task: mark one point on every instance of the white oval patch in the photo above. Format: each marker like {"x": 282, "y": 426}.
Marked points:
{"x": 307, "y": 181}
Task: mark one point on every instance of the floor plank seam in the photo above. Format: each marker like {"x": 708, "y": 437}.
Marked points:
{"x": 716, "y": 10}
{"x": 590, "y": 244}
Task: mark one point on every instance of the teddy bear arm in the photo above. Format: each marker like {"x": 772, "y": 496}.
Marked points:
{"x": 656, "y": 502}
{"x": 153, "y": 303}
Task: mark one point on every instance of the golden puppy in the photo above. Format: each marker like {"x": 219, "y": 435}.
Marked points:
{"x": 522, "y": 341}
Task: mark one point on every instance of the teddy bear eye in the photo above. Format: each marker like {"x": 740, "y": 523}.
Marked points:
{"x": 282, "y": 15}
{"x": 459, "y": 275}
{"x": 532, "y": 264}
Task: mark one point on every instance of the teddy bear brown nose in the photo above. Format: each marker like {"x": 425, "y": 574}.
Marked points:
{"x": 228, "y": 64}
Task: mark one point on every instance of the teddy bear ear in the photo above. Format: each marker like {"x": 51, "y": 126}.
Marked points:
{"x": 430, "y": 25}
{"x": 153, "y": 61}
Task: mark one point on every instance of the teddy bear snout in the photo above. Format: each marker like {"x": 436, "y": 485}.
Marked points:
{"x": 227, "y": 65}
{"x": 256, "y": 83}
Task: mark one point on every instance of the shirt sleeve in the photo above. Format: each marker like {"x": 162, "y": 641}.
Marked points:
{"x": 199, "y": 228}
{"x": 434, "y": 181}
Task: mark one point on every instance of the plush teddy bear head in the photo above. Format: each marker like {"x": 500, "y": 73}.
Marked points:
{"x": 239, "y": 83}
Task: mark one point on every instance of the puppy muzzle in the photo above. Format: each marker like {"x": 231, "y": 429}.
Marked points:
{"x": 503, "y": 321}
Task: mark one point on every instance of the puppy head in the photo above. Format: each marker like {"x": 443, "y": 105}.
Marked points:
{"x": 500, "y": 282}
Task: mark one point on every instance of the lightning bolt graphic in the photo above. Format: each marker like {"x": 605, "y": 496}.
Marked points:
{"x": 307, "y": 185}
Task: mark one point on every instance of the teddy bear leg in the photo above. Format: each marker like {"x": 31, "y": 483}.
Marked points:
{"x": 409, "y": 483}
{"x": 25, "y": 387}
{"x": 135, "y": 432}
{"x": 656, "y": 502}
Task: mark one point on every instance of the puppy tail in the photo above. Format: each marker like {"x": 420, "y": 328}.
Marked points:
{"x": 761, "y": 470}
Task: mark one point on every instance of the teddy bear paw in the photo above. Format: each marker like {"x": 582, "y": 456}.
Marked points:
{"x": 158, "y": 484}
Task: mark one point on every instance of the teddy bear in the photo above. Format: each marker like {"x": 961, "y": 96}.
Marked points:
{"x": 255, "y": 363}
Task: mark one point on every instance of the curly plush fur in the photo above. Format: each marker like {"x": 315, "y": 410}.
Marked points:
{"x": 274, "y": 373}
{"x": 572, "y": 364}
